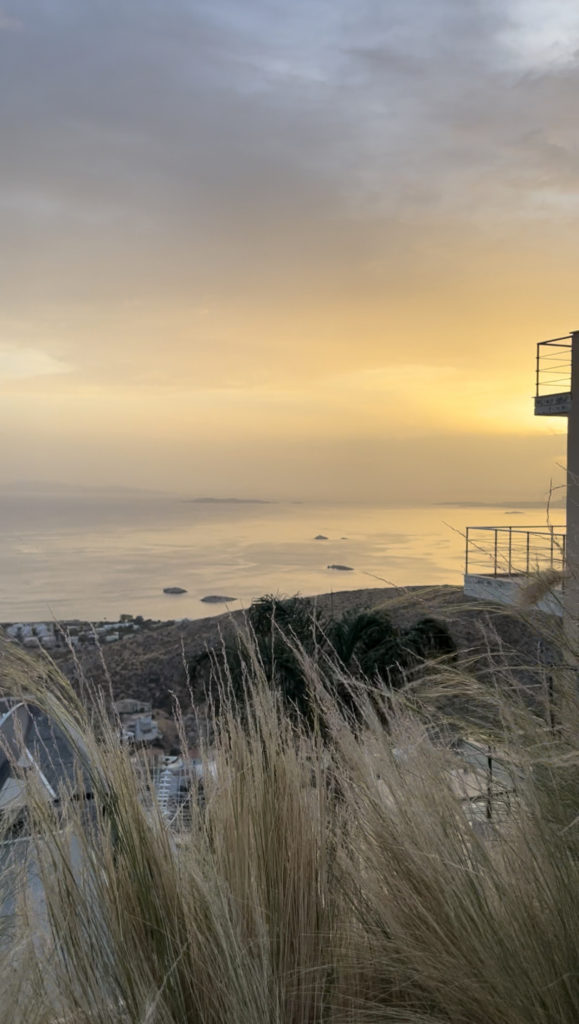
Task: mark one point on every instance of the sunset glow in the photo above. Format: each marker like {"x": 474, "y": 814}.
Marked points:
{"x": 289, "y": 249}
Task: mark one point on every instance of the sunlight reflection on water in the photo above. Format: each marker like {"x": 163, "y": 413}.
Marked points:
{"x": 97, "y": 558}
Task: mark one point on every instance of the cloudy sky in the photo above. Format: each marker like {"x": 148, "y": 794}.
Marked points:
{"x": 291, "y": 249}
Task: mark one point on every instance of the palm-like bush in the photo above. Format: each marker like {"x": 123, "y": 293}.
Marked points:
{"x": 280, "y": 632}
{"x": 364, "y": 644}
{"x": 368, "y": 643}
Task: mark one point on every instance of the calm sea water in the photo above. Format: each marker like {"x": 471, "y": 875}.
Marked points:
{"x": 95, "y": 557}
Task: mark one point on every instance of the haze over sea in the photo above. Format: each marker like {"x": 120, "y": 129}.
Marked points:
{"x": 97, "y": 554}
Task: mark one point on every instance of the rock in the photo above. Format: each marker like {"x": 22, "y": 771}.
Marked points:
{"x": 174, "y": 590}
{"x": 341, "y": 568}
{"x": 320, "y": 536}
{"x": 218, "y": 599}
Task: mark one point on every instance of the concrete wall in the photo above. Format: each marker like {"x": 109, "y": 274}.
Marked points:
{"x": 508, "y": 590}
{"x": 572, "y": 552}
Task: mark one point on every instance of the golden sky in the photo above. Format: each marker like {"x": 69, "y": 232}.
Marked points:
{"x": 284, "y": 249}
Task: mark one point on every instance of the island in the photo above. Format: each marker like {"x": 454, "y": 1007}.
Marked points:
{"x": 174, "y": 590}
{"x": 227, "y": 501}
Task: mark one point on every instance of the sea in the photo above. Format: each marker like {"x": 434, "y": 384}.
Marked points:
{"x": 94, "y": 556}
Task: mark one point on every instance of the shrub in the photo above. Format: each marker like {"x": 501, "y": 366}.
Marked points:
{"x": 365, "y": 645}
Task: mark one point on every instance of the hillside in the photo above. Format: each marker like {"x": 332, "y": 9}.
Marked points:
{"x": 152, "y": 664}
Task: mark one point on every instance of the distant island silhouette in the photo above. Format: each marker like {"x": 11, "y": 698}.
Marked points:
{"x": 498, "y": 504}
{"x": 228, "y": 501}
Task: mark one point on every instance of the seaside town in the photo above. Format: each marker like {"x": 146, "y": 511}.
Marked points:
{"x": 76, "y": 633}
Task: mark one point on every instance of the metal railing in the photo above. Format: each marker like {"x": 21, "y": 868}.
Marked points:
{"x": 513, "y": 550}
{"x": 553, "y": 370}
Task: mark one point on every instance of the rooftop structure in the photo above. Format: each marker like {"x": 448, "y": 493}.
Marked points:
{"x": 501, "y": 559}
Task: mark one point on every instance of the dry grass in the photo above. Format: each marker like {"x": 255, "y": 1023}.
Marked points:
{"x": 334, "y": 876}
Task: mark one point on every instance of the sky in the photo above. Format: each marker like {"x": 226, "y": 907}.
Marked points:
{"x": 279, "y": 249}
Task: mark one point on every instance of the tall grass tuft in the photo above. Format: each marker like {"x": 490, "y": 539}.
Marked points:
{"x": 368, "y": 868}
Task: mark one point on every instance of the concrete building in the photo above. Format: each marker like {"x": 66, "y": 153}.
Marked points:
{"x": 141, "y": 729}
{"x": 500, "y": 560}
{"x": 138, "y": 724}
{"x": 131, "y": 706}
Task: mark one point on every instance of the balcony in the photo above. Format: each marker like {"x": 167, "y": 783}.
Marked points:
{"x": 501, "y": 560}
{"x": 553, "y": 377}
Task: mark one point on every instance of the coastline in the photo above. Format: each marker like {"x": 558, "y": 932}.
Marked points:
{"x": 67, "y": 633}
{"x": 151, "y": 666}
{"x": 153, "y": 662}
